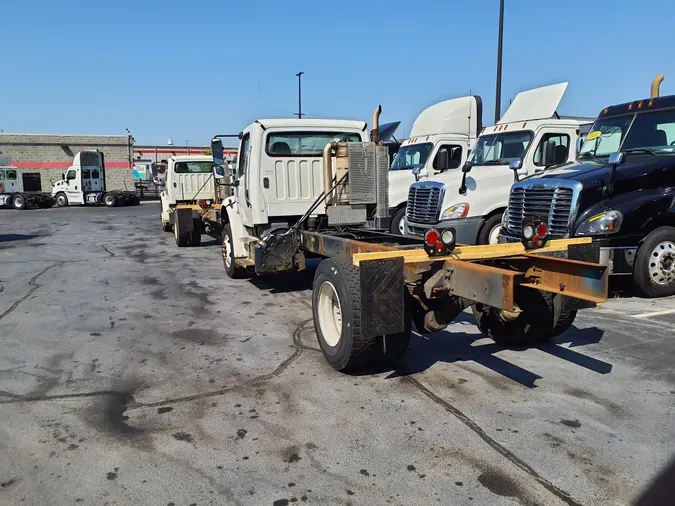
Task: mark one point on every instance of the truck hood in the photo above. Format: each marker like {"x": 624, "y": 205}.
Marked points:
{"x": 592, "y": 174}
{"x": 538, "y": 103}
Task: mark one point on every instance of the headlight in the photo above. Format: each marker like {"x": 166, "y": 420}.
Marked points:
{"x": 608, "y": 222}
{"x": 456, "y": 212}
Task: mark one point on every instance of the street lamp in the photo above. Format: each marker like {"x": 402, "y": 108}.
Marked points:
{"x": 299, "y": 113}
{"x": 498, "y": 100}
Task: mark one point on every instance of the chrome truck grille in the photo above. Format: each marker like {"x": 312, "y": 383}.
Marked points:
{"x": 424, "y": 202}
{"x": 552, "y": 200}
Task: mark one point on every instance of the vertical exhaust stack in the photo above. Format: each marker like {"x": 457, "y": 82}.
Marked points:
{"x": 375, "y": 132}
{"x": 656, "y": 86}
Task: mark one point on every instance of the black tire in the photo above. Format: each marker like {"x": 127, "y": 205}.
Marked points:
{"x": 196, "y": 234}
{"x": 542, "y": 317}
{"x": 136, "y": 200}
{"x": 166, "y": 226}
{"x": 61, "y": 200}
{"x": 182, "y": 238}
{"x": 397, "y": 221}
{"x": 110, "y": 199}
{"x": 654, "y": 271}
{"x": 19, "y": 202}
{"x": 233, "y": 270}
{"x": 337, "y": 280}
{"x": 488, "y": 227}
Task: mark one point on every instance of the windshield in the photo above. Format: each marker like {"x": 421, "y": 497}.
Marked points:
{"x": 500, "y": 149}
{"x": 651, "y": 131}
{"x": 189, "y": 167}
{"x": 412, "y": 155}
{"x": 305, "y": 143}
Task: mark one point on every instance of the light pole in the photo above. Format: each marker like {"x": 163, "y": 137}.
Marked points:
{"x": 299, "y": 113}
{"x": 498, "y": 99}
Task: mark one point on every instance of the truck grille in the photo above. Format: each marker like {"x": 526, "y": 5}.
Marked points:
{"x": 554, "y": 201}
{"x": 424, "y": 202}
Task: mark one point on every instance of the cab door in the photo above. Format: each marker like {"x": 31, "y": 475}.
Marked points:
{"x": 74, "y": 186}
{"x": 243, "y": 177}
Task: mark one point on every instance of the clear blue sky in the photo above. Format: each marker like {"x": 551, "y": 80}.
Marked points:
{"x": 187, "y": 70}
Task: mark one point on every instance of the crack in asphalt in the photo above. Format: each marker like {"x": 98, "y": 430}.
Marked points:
{"x": 33, "y": 286}
{"x": 475, "y": 428}
{"x": 108, "y": 251}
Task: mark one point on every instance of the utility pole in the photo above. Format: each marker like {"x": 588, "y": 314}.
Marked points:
{"x": 498, "y": 99}
{"x": 299, "y": 113}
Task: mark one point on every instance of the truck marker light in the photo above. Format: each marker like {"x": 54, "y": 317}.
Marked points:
{"x": 534, "y": 234}
{"x": 542, "y": 230}
{"x": 431, "y": 237}
{"x": 448, "y": 236}
{"x": 528, "y": 232}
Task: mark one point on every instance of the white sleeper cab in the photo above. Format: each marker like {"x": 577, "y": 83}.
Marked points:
{"x": 529, "y": 138}
{"x": 450, "y": 126}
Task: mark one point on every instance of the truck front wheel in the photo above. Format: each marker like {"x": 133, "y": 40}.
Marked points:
{"x": 654, "y": 271}
{"x": 61, "y": 200}
{"x": 539, "y": 317}
{"x": 231, "y": 268}
{"x": 336, "y": 308}
{"x": 19, "y": 202}
{"x": 397, "y": 226}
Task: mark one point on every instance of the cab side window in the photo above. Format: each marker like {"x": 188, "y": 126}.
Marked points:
{"x": 243, "y": 155}
{"x": 11, "y": 175}
{"x": 454, "y": 155}
{"x": 562, "y": 148}
{"x": 70, "y": 174}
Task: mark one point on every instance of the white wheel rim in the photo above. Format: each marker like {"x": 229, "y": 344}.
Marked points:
{"x": 401, "y": 225}
{"x": 175, "y": 230}
{"x": 662, "y": 263}
{"x": 330, "y": 314}
{"x": 108, "y": 200}
{"x": 60, "y": 200}
{"x": 494, "y": 235}
{"x": 227, "y": 252}
{"x": 18, "y": 203}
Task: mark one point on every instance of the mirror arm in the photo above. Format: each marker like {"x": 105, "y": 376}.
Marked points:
{"x": 462, "y": 188}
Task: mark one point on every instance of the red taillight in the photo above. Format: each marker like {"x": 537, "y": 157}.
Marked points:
{"x": 542, "y": 230}
{"x": 431, "y": 237}
{"x": 202, "y": 203}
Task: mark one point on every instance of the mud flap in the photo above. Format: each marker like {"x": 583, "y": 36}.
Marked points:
{"x": 382, "y": 297}
{"x": 184, "y": 219}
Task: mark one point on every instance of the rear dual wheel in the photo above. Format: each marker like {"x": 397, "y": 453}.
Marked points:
{"x": 654, "y": 271}
{"x": 336, "y": 309}
{"x": 187, "y": 237}
{"x": 19, "y": 202}
{"x": 540, "y": 316}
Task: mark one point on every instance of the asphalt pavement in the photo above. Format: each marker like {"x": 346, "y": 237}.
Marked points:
{"x": 136, "y": 372}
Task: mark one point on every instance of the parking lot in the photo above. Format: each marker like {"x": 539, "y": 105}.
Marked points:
{"x": 135, "y": 372}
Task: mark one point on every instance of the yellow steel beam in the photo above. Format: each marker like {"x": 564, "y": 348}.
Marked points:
{"x": 484, "y": 252}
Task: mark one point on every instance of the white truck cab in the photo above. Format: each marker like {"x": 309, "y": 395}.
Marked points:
{"x": 278, "y": 175}
{"x": 529, "y": 138}
{"x": 452, "y": 126}
{"x": 187, "y": 180}
{"x": 84, "y": 183}
{"x": 10, "y": 192}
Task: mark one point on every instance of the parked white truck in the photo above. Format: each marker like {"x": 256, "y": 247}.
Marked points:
{"x": 10, "y": 196}
{"x": 529, "y": 138}
{"x": 190, "y": 192}
{"x": 451, "y": 126}
{"x": 84, "y": 183}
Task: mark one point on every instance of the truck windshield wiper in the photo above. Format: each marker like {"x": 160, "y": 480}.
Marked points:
{"x": 495, "y": 162}
{"x": 586, "y": 156}
{"x": 640, "y": 150}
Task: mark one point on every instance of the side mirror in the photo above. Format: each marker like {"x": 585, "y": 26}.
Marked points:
{"x": 580, "y": 143}
{"x": 615, "y": 159}
{"x": 416, "y": 172}
{"x": 63, "y": 175}
{"x": 548, "y": 154}
{"x": 218, "y": 172}
{"x": 217, "y": 150}
{"x": 466, "y": 168}
{"x": 443, "y": 160}
{"x": 515, "y": 166}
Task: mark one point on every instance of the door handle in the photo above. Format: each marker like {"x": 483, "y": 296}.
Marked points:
{"x": 174, "y": 185}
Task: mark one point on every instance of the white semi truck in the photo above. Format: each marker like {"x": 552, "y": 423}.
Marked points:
{"x": 529, "y": 138}
{"x": 451, "y": 126}
{"x": 84, "y": 183}
{"x": 319, "y": 188}
{"x": 10, "y": 196}
{"x": 190, "y": 192}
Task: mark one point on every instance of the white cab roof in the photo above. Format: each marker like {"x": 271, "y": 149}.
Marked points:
{"x": 312, "y": 123}
{"x": 456, "y": 116}
{"x": 539, "y": 103}
{"x": 192, "y": 158}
